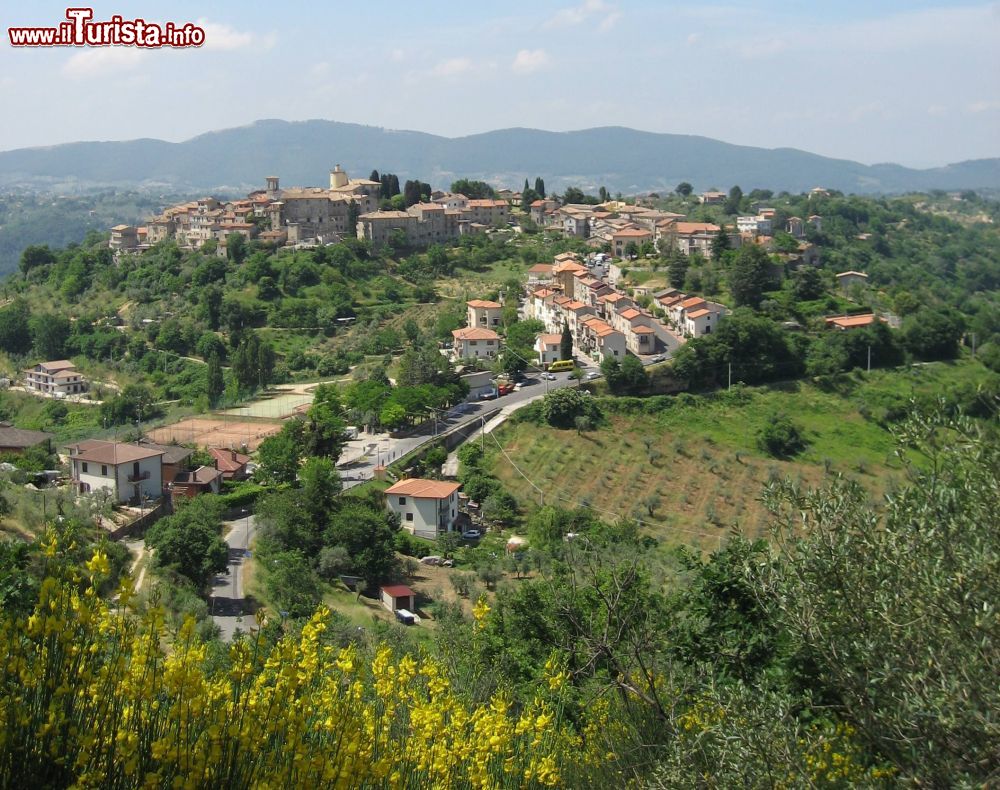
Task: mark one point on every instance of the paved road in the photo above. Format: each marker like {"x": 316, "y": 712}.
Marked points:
{"x": 356, "y": 469}
{"x": 228, "y": 604}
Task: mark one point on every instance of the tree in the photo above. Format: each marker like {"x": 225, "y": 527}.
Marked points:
{"x": 902, "y": 644}
{"x": 236, "y": 247}
{"x": 781, "y": 437}
{"x": 732, "y": 205}
{"x": 566, "y": 343}
{"x": 720, "y": 244}
{"x": 323, "y": 430}
{"x": 540, "y": 187}
{"x": 34, "y": 256}
{"x": 749, "y": 276}
{"x": 808, "y": 284}
{"x": 133, "y": 403}
{"x": 512, "y": 363}
{"x": 933, "y": 334}
{"x": 15, "y": 330}
{"x": 475, "y": 190}
{"x": 49, "y": 335}
{"x": 216, "y": 385}
{"x": 279, "y": 455}
{"x": 368, "y": 536}
{"x": 375, "y": 177}
{"x": 561, "y": 407}
{"x": 604, "y": 195}
{"x": 190, "y": 541}
{"x": 635, "y": 380}
{"x": 684, "y": 189}
{"x": 353, "y": 214}
{"x": 677, "y": 268}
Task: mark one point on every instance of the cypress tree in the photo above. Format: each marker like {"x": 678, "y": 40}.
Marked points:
{"x": 540, "y": 187}
{"x": 216, "y": 383}
{"x": 566, "y": 343}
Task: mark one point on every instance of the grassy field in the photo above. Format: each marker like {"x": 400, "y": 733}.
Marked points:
{"x": 691, "y": 470}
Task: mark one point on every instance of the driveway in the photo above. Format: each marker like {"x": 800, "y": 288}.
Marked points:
{"x": 228, "y": 604}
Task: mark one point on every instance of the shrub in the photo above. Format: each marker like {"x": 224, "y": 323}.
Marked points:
{"x": 781, "y": 438}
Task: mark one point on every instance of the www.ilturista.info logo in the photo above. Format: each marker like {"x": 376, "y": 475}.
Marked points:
{"x": 80, "y": 31}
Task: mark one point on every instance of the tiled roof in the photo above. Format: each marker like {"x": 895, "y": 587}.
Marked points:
{"x": 698, "y": 313}
{"x": 474, "y": 333}
{"x": 423, "y": 489}
{"x": 398, "y": 590}
{"x": 484, "y": 304}
{"x": 113, "y": 453}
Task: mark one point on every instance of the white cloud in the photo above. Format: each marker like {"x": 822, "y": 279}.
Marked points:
{"x": 609, "y": 21}
{"x": 452, "y": 67}
{"x": 984, "y": 105}
{"x": 528, "y": 60}
{"x": 397, "y": 55}
{"x": 577, "y": 15}
{"x": 225, "y": 38}
{"x": 99, "y": 61}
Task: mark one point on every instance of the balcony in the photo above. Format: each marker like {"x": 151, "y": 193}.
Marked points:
{"x": 135, "y": 478}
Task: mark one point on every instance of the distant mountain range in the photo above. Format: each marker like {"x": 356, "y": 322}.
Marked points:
{"x": 623, "y": 160}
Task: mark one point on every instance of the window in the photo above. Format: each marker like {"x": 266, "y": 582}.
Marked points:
{"x": 104, "y": 470}
{"x": 402, "y": 500}
{"x": 409, "y": 517}
{"x": 85, "y": 466}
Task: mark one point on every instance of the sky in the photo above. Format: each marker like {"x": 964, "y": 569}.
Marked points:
{"x": 910, "y": 81}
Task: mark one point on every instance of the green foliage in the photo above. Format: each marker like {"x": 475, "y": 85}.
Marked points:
{"x": 15, "y": 328}
{"x": 566, "y": 343}
{"x": 476, "y": 190}
{"x": 279, "y": 455}
{"x": 628, "y": 377}
{"x": 894, "y": 606}
{"x": 561, "y": 407}
{"x": 750, "y": 276}
{"x": 781, "y": 438}
{"x": 932, "y": 334}
{"x": 189, "y": 541}
{"x": 134, "y": 403}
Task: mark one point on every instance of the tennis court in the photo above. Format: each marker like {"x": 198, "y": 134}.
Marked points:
{"x": 216, "y": 432}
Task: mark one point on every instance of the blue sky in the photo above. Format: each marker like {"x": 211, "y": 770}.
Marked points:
{"x": 914, "y": 82}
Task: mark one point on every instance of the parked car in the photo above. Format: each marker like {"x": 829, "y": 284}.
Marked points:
{"x": 519, "y": 386}
{"x": 658, "y": 358}
{"x": 431, "y": 559}
{"x": 472, "y": 534}
{"x": 488, "y": 395}
{"x": 549, "y": 376}
{"x": 594, "y": 374}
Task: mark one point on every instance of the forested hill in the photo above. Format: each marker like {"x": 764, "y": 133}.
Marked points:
{"x": 618, "y": 158}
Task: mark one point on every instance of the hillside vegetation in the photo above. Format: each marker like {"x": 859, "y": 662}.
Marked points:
{"x": 691, "y": 469}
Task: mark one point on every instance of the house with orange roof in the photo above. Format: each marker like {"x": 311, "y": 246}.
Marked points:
{"x": 540, "y": 210}
{"x": 426, "y": 508}
{"x": 621, "y": 239}
{"x": 692, "y": 315}
{"x": 547, "y": 346}
{"x": 475, "y": 343}
{"x": 484, "y": 313}
{"x": 712, "y": 198}
{"x": 55, "y": 379}
{"x": 599, "y": 340}
{"x": 843, "y": 322}
{"x": 539, "y": 273}
{"x": 690, "y": 237}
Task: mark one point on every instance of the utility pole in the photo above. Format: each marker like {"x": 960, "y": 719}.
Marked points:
{"x": 869, "y": 359}
{"x": 973, "y": 345}
{"x": 730, "y": 376}
{"x": 482, "y": 419}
